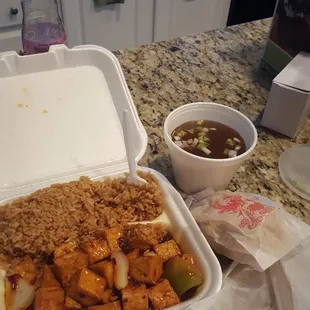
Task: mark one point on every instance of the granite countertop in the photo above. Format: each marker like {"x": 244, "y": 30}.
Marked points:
{"x": 222, "y": 66}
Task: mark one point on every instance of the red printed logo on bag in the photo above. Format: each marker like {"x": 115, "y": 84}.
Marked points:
{"x": 249, "y": 210}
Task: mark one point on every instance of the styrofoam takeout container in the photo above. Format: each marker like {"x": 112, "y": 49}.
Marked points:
{"x": 194, "y": 173}
{"x": 60, "y": 118}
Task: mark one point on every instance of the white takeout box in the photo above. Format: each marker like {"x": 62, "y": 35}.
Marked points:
{"x": 60, "y": 118}
{"x": 288, "y": 105}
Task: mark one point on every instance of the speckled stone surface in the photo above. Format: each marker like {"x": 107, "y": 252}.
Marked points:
{"x": 222, "y": 66}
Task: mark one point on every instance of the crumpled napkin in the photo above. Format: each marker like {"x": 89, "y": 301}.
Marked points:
{"x": 281, "y": 284}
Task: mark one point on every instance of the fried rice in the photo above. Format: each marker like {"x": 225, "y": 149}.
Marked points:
{"x": 34, "y": 225}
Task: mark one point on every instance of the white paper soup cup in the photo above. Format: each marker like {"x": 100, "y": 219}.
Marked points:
{"x": 194, "y": 173}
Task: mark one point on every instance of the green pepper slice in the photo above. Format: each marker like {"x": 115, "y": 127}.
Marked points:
{"x": 182, "y": 274}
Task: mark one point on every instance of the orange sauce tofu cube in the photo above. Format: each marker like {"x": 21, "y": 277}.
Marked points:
{"x": 144, "y": 236}
{"x": 135, "y": 298}
{"x": 86, "y": 287}
{"x": 67, "y": 265}
{"x": 112, "y": 235}
{"x": 146, "y": 269}
{"x": 111, "y": 306}
{"x": 96, "y": 250}
{"x": 65, "y": 248}
{"x": 27, "y": 270}
{"x": 106, "y": 270}
{"x": 51, "y": 298}
{"x": 133, "y": 255}
{"x": 167, "y": 250}
{"x": 47, "y": 278}
{"x": 71, "y": 304}
{"x": 163, "y": 296}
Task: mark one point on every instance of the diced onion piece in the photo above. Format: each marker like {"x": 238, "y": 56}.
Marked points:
{"x": 232, "y": 153}
{"x": 205, "y": 129}
{"x": 2, "y": 289}
{"x": 195, "y": 143}
{"x": 191, "y": 131}
{"x": 179, "y": 144}
{"x": 185, "y": 144}
{"x": 213, "y": 129}
{"x": 237, "y": 148}
{"x": 19, "y": 297}
{"x": 177, "y": 138}
{"x": 205, "y": 150}
{"x": 121, "y": 270}
{"x": 236, "y": 140}
{"x": 149, "y": 253}
{"x": 190, "y": 141}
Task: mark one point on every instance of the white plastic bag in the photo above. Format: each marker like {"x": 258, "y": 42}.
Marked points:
{"x": 244, "y": 289}
{"x": 247, "y": 228}
{"x": 284, "y": 286}
{"x": 290, "y": 278}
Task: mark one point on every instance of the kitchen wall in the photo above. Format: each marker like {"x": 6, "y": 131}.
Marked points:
{"x": 119, "y": 26}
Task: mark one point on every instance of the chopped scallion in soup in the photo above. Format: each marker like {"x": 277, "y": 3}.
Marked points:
{"x": 209, "y": 139}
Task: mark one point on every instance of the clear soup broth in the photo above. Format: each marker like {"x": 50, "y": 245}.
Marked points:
{"x": 209, "y": 139}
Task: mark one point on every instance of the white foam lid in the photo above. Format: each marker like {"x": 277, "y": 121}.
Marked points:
{"x": 60, "y": 115}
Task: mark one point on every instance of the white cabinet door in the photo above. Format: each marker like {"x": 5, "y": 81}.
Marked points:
{"x": 10, "y": 13}
{"x": 10, "y": 25}
{"x": 10, "y": 40}
{"x": 113, "y": 26}
{"x": 175, "y": 18}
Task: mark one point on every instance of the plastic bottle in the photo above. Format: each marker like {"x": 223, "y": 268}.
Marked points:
{"x": 42, "y": 26}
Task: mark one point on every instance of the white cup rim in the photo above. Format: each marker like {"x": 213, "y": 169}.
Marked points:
{"x": 204, "y": 159}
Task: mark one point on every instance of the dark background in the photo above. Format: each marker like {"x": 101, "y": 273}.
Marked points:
{"x": 292, "y": 33}
{"x": 242, "y": 11}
